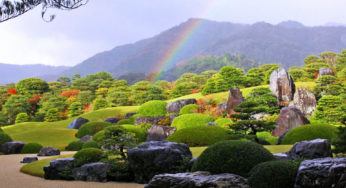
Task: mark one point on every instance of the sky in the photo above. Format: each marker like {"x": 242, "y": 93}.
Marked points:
{"x": 101, "y": 25}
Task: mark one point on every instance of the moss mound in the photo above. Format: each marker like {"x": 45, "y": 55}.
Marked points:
{"x": 88, "y": 155}
{"x": 153, "y": 108}
{"x": 92, "y": 128}
{"x": 140, "y": 133}
{"x": 188, "y": 109}
{"x": 31, "y": 148}
{"x": 75, "y": 146}
{"x": 4, "y": 138}
{"x": 310, "y": 132}
{"x": 191, "y": 120}
{"x": 90, "y": 144}
{"x": 223, "y": 122}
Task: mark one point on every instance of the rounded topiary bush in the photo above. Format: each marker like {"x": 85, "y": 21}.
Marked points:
{"x": 191, "y": 120}
{"x": 88, "y": 155}
{"x": 223, "y": 122}
{"x": 92, "y": 128}
{"x": 130, "y": 120}
{"x": 140, "y": 133}
{"x": 153, "y": 108}
{"x": 199, "y": 136}
{"x": 310, "y": 132}
{"x": 232, "y": 156}
{"x": 75, "y": 146}
{"x": 31, "y": 148}
{"x": 188, "y": 109}
{"x": 99, "y": 136}
{"x": 4, "y": 138}
{"x": 90, "y": 144}
{"x": 273, "y": 174}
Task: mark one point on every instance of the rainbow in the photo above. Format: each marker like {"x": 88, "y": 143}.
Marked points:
{"x": 168, "y": 58}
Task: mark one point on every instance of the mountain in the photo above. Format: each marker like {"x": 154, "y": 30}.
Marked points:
{"x": 13, "y": 73}
{"x": 287, "y": 43}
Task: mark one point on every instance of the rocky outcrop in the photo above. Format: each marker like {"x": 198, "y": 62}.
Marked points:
{"x": 323, "y": 172}
{"x": 176, "y": 106}
{"x": 77, "y": 123}
{"x": 149, "y": 120}
{"x": 160, "y": 133}
{"x": 197, "y": 179}
{"x": 156, "y": 157}
{"x": 112, "y": 120}
{"x": 312, "y": 149}
{"x": 289, "y": 118}
{"x": 56, "y": 169}
{"x": 86, "y": 138}
{"x": 12, "y": 147}
{"x": 305, "y": 101}
{"x": 91, "y": 172}
{"x": 48, "y": 151}
{"x": 325, "y": 71}
{"x": 282, "y": 85}
{"x": 29, "y": 159}
{"x": 235, "y": 97}
{"x": 128, "y": 115}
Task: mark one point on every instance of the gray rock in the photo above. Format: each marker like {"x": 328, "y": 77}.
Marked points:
{"x": 128, "y": 115}
{"x": 322, "y": 173}
{"x": 48, "y": 151}
{"x": 211, "y": 124}
{"x": 260, "y": 116}
{"x": 325, "y": 71}
{"x": 156, "y": 157}
{"x": 289, "y": 118}
{"x": 29, "y": 159}
{"x": 112, "y": 120}
{"x": 282, "y": 85}
{"x": 12, "y": 147}
{"x": 92, "y": 172}
{"x": 221, "y": 109}
{"x": 77, "y": 123}
{"x": 86, "y": 138}
{"x": 312, "y": 149}
{"x": 56, "y": 167}
{"x": 149, "y": 120}
{"x": 176, "y": 106}
{"x": 305, "y": 101}
{"x": 197, "y": 179}
{"x": 281, "y": 156}
{"x": 159, "y": 132}
{"x": 235, "y": 97}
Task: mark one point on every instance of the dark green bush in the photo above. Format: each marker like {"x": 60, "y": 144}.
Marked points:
{"x": 99, "y": 136}
{"x": 191, "y": 120}
{"x": 153, "y": 108}
{"x": 188, "y": 109}
{"x": 140, "y": 133}
{"x": 199, "y": 136}
{"x": 232, "y": 156}
{"x": 1, "y": 131}
{"x": 120, "y": 171}
{"x": 31, "y": 148}
{"x": 130, "y": 121}
{"x": 310, "y": 132}
{"x": 340, "y": 141}
{"x": 4, "y": 138}
{"x": 88, "y": 155}
{"x": 92, "y": 128}
{"x": 273, "y": 174}
{"x": 75, "y": 146}
{"x": 90, "y": 144}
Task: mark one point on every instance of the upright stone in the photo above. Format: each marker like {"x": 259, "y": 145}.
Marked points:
{"x": 305, "y": 101}
{"x": 325, "y": 71}
{"x": 235, "y": 97}
{"x": 289, "y": 118}
{"x": 176, "y": 106}
{"x": 282, "y": 85}
{"x": 77, "y": 123}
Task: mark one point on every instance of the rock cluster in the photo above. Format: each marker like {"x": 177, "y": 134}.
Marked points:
{"x": 149, "y": 120}
{"x": 56, "y": 168}
{"x": 91, "y": 172}
{"x": 282, "y": 85}
{"x": 176, "y": 106}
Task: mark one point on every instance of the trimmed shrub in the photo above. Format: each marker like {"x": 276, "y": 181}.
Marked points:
{"x": 98, "y": 137}
{"x": 153, "y": 108}
{"x": 88, "y": 155}
{"x": 129, "y": 121}
{"x": 92, "y": 128}
{"x": 75, "y": 146}
{"x": 232, "y": 156}
{"x": 22, "y": 117}
{"x": 310, "y": 132}
{"x": 1, "y": 131}
{"x": 199, "y": 136}
{"x": 188, "y": 109}
{"x": 191, "y": 120}
{"x": 223, "y": 122}
{"x": 141, "y": 134}
{"x": 4, "y": 138}
{"x": 273, "y": 174}
{"x": 120, "y": 171}
{"x": 90, "y": 144}
{"x": 31, "y": 148}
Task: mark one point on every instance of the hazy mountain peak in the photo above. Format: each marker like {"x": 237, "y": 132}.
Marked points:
{"x": 291, "y": 24}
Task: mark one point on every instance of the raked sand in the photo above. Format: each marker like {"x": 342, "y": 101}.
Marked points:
{"x": 11, "y": 177}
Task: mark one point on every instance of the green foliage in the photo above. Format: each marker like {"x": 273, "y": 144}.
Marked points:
{"x": 32, "y": 86}
{"x": 199, "y": 136}
{"x": 120, "y": 171}
{"x": 297, "y": 74}
{"x": 191, "y": 120}
{"x": 325, "y": 80}
{"x": 48, "y": 103}
{"x": 16, "y": 104}
{"x": 310, "y": 132}
{"x": 117, "y": 97}
{"x": 4, "y": 138}
{"x": 188, "y": 109}
{"x": 236, "y": 157}
{"x": 153, "y": 108}
{"x": 143, "y": 91}
{"x": 254, "y": 77}
{"x": 145, "y": 126}
{"x": 223, "y": 122}
{"x": 339, "y": 142}
{"x": 98, "y": 137}
{"x": 75, "y": 146}
{"x": 22, "y": 117}
{"x": 91, "y": 128}
{"x": 88, "y": 155}
{"x": 329, "y": 109}
{"x": 264, "y": 96}
{"x": 273, "y": 174}
{"x": 268, "y": 68}
{"x": 31, "y": 148}
{"x": 183, "y": 88}
{"x": 311, "y": 70}
{"x": 75, "y": 109}
{"x": 139, "y": 133}
{"x": 90, "y": 144}
{"x": 52, "y": 115}
{"x": 99, "y": 103}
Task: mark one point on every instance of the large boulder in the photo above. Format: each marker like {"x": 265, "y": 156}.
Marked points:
{"x": 92, "y": 172}
{"x": 159, "y": 132}
{"x": 112, "y": 120}
{"x": 56, "y": 168}
{"x": 322, "y": 172}
{"x": 312, "y": 149}
{"x": 289, "y": 118}
{"x": 176, "y": 106}
{"x": 86, "y": 138}
{"x": 305, "y": 101}
{"x": 325, "y": 71}
{"x": 235, "y": 97}
{"x": 149, "y": 120}
{"x": 197, "y": 179}
{"x": 29, "y": 159}
{"x": 77, "y": 123}
{"x": 12, "y": 147}
{"x": 282, "y": 85}
{"x": 48, "y": 151}
{"x": 156, "y": 157}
